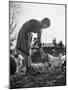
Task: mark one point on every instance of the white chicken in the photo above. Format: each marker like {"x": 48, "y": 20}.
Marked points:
{"x": 56, "y": 61}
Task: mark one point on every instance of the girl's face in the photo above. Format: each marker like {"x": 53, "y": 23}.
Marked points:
{"x": 44, "y": 26}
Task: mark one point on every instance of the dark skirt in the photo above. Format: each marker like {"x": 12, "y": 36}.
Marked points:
{"x": 22, "y": 42}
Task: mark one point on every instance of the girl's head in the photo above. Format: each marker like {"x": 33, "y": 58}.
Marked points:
{"x": 45, "y": 23}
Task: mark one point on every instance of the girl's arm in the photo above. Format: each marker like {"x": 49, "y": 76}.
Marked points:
{"x": 39, "y": 38}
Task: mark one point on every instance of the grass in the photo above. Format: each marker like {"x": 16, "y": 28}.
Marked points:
{"x": 50, "y": 77}
{"x": 56, "y": 77}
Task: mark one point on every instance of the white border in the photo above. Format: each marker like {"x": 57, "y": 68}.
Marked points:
{"x": 4, "y": 43}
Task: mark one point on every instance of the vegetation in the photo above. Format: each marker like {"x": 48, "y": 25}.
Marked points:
{"x": 43, "y": 76}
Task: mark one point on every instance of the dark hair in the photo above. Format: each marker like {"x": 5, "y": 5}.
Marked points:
{"x": 46, "y": 21}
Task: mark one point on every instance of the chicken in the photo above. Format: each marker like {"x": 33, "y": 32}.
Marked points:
{"x": 56, "y": 61}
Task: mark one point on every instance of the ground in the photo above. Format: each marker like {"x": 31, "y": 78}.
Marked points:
{"x": 53, "y": 77}
{"x": 49, "y": 77}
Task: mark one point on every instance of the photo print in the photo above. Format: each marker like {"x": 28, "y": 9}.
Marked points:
{"x": 37, "y": 41}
